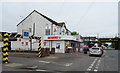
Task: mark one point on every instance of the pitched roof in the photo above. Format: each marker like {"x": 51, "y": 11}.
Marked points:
{"x": 49, "y": 19}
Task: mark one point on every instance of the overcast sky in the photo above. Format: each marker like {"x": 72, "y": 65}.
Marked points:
{"x": 87, "y": 18}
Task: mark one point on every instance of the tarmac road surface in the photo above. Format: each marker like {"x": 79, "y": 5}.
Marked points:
{"x": 62, "y": 62}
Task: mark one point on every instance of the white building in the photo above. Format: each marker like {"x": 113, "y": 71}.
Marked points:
{"x": 53, "y": 34}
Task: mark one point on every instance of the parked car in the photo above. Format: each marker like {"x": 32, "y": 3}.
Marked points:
{"x": 96, "y": 51}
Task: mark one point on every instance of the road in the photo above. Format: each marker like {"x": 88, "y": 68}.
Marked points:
{"x": 62, "y": 62}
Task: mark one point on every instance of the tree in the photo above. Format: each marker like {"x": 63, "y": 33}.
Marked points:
{"x": 74, "y": 33}
{"x": 113, "y": 45}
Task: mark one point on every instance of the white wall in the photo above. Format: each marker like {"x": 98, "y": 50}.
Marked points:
{"x": 35, "y": 45}
{"x": 1, "y": 43}
{"x": 40, "y": 25}
{"x": 15, "y": 45}
{"x": 62, "y": 46}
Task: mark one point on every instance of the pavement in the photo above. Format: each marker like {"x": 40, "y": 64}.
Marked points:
{"x": 62, "y": 62}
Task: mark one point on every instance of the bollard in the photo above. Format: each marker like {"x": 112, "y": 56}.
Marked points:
{"x": 43, "y": 52}
{"x": 39, "y": 48}
{"x": 5, "y": 47}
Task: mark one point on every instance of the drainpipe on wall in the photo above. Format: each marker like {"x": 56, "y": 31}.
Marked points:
{"x": 51, "y": 34}
{"x": 33, "y": 35}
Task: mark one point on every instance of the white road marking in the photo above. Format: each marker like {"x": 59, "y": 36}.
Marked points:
{"x": 33, "y": 67}
{"x": 97, "y": 65}
{"x": 44, "y": 62}
{"x": 89, "y": 69}
{"x": 40, "y": 70}
{"x": 95, "y": 70}
{"x": 68, "y": 64}
{"x": 91, "y": 66}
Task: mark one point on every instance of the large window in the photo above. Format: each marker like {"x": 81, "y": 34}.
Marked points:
{"x": 47, "y": 30}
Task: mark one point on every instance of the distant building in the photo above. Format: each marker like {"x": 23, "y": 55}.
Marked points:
{"x": 89, "y": 41}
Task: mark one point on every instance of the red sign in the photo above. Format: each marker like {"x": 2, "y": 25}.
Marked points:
{"x": 44, "y": 42}
{"x": 55, "y": 37}
{"x": 22, "y": 42}
{"x": 26, "y": 43}
{"x": 55, "y": 30}
{"x": 77, "y": 39}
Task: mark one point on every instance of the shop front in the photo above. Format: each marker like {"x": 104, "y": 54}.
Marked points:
{"x": 62, "y": 43}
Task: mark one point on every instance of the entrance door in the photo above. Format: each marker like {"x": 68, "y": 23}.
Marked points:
{"x": 73, "y": 47}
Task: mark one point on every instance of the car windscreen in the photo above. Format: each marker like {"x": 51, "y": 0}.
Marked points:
{"x": 95, "y": 48}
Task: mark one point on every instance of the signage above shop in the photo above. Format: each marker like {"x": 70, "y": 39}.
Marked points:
{"x": 61, "y": 37}
{"x": 77, "y": 39}
{"x": 54, "y": 37}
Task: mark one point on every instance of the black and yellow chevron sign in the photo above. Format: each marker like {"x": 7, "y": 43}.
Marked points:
{"x": 15, "y": 35}
{"x": 5, "y": 47}
{"x": 39, "y": 48}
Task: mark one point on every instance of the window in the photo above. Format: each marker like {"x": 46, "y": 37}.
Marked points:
{"x": 63, "y": 31}
{"x": 47, "y": 30}
{"x": 30, "y": 30}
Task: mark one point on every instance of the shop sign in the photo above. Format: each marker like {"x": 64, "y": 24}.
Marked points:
{"x": 77, "y": 39}
{"x": 58, "y": 45}
{"x": 54, "y": 37}
{"x": 44, "y": 42}
{"x": 25, "y": 33}
{"x": 22, "y": 43}
{"x": 26, "y": 43}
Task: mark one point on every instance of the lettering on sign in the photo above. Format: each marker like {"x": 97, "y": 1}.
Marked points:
{"x": 56, "y": 37}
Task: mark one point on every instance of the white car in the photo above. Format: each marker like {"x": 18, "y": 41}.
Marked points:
{"x": 96, "y": 51}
